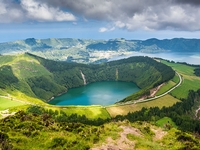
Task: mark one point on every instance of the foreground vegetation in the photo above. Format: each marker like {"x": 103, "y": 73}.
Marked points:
{"x": 26, "y": 130}
{"x": 6, "y": 103}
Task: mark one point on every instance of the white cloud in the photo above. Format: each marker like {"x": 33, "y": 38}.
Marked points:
{"x": 10, "y": 12}
{"x": 126, "y": 14}
{"x": 103, "y": 29}
{"x": 138, "y": 14}
{"x": 42, "y": 12}
{"x": 2, "y": 8}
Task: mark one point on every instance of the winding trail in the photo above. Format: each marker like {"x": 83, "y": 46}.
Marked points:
{"x": 156, "y": 97}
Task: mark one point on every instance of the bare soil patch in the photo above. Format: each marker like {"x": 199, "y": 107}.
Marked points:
{"x": 159, "y": 133}
{"x": 121, "y": 143}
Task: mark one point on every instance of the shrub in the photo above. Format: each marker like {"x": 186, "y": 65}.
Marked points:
{"x": 58, "y": 141}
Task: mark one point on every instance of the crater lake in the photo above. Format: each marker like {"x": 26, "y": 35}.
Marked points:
{"x": 98, "y": 93}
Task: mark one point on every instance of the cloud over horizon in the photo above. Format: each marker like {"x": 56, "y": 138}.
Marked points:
{"x": 151, "y": 15}
{"x": 31, "y": 10}
{"x": 104, "y": 29}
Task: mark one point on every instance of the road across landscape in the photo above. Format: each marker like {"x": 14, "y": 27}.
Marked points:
{"x": 156, "y": 97}
{"x": 121, "y": 104}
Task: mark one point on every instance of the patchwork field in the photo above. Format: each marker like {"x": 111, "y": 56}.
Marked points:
{"x": 190, "y": 80}
{"x": 166, "y": 101}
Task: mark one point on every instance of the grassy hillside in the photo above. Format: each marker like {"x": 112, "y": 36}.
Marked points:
{"x": 190, "y": 80}
{"x": 7, "y": 103}
{"x": 26, "y": 130}
{"x": 35, "y": 77}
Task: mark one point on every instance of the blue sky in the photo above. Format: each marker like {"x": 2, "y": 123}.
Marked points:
{"x": 99, "y": 19}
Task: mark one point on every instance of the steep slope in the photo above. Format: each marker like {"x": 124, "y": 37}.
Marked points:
{"x": 43, "y": 79}
{"x": 17, "y": 70}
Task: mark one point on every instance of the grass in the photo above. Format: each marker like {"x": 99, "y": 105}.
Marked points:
{"x": 190, "y": 81}
{"x": 176, "y": 79}
{"x": 29, "y": 133}
{"x": 166, "y": 101}
{"x": 5, "y": 59}
{"x": 23, "y": 97}
{"x": 148, "y": 140}
{"x": 55, "y": 136}
{"x": 7, "y": 103}
{"x": 167, "y": 86}
{"x": 91, "y": 112}
{"x": 24, "y": 66}
{"x": 140, "y": 143}
{"x": 166, "y": 120}
{"x": 181, "y": 68}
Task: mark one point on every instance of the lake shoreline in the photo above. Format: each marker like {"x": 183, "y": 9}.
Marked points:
{"x": 192, "y": 58}
{"x": 97, "y": 93}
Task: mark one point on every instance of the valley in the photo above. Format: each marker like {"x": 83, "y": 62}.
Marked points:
{"x": 97, "y": 51}
{"x": 28, "y": 82}
{"x": 36, "y": 77}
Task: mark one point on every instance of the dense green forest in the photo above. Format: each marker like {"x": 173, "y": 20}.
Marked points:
{"x": 7, "y": 78}
{"x": 143, "y": 71}
{"x": 50, "y": 78}
{"x": 181, "y": 113}
{"x": 197, "y": 71}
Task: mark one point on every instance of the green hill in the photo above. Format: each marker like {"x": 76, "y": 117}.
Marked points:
{"x": 42, "y": 79}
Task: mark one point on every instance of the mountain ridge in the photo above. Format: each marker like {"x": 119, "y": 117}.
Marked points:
{"x": 91, "y": 51}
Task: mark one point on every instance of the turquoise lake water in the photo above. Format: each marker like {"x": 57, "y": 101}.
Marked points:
{"x": 98, "y": 93}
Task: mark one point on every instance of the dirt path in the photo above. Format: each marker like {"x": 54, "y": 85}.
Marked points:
{"x": 123, "y": 142}
{"x": 5, "y": 113}
{"x": 155, "y": 90}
